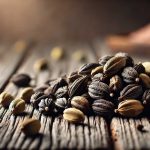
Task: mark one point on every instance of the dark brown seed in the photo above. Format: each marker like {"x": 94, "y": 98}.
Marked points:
{"x": 100, "y": 77}
{"x": 131, "y": 91}
{"x": 46, "y": 105}
{"x": 116, "y": 84}
{"x": 140, "y": 127}
{"x": 139, "y": 68}
{"x": 103, "y": 108}
{"x": 129, "y": 60}
{"x": 146, "y": 98}
{"x": 36, "y": 98}
{"x": 98, "y": 90}
{"x": 87, "y": 68}
{"x": 80, "y": 103}
{"x": 61, "y": 104}
{"x": 73, "y": 76}
{"x": 104, "y": 59}
{"x": 114, "y": 65}
{"x": 130, "y": 75}
{"x": 21, "y": 80}
{"x": 57, "y": 84}
{"x": 62, "y": 92}
{"x": 78, "y": 87}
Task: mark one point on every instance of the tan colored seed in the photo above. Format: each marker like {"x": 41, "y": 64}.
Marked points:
{"x": 97, "y": 70}
{"x": 17, "y": 106}
{"x": 40, "y": 64}
{"x": 130, "y": 108}
{"x": 145, "y": 80}
{"x": 5, "y": 99}
{"x": 80, "y": 103}
{"x": 57, "y": 53}
{"x": 79, "y": 55}
{"x": 26, "y": 94}
{"x": 147, "y": 67}
{"x": 30, "y": 126}
{"x": 19, "y": 46}
{"x": 73, "y": 115}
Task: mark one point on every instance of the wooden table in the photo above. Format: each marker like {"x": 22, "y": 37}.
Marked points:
{"x": 56, "y": 133}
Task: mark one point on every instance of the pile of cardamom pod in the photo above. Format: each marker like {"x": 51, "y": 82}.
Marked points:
{"x": 113, "y": 85}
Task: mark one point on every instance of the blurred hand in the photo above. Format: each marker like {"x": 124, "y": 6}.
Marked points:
{"x": 131, "y": 42}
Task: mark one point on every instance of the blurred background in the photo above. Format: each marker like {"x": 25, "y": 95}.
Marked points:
{"x": 60, "y": 20}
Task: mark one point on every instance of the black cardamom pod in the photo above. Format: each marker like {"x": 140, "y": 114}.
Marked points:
{"x": 139, "y": 68}
{"x": 78, "y": 87}
{"x": 87, "y": 68}
{"x": 116, "y": 84}
{"x": 100, "y": 77}
{"x": 62, "y": 92}
{"x": 102, "y": 61}
{"x": 98, "y": 90}
{"x": 36, "y": 98}
{"x": 21, "y": 80}
{"x": 129, "y": 60}
{"x": 103, "y": 108}
{"x": 46, "y": 105}
{"x": 130, "y": 75}
{"x": 114, "y": 65}
{"x": 73, "y": 76}
{"x": 131, "y": 91}
{"x": 61, "y": 104}
{"x": 57, "y": 84}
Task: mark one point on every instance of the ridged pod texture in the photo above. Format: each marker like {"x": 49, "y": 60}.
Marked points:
{"x": 131, "y": 91}
{"x": 98, "y": 90}
{"x": 130, "y": 108}
{"x": 114, "y": 65}
{"x": 130, "y": 75}
{"x": 103, "y": 108}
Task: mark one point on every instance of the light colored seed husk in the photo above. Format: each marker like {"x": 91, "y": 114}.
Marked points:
{"x": 40, "y": 64}
{"x": 97, "y": 70}
{"x": 6, "y": 99}
{"x": 145, "y": 80}
{"x": 57, "y": 53}
{"x": 73, "y": 115}
{"x": 130, "y": 108}
{"x": 26, "y": 94}
{"x": 147, "y": 67}
{"x": 17, "y": 106}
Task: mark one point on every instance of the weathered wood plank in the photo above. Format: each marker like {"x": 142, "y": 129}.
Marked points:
{"x": 126, "y": 135}
{"x": 11, "y": 60}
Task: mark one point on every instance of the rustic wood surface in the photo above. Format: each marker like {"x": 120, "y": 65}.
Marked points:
{"x": 56, "y": 133}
